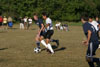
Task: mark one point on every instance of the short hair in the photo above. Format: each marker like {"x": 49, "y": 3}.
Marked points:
{"x": 91, "y": 17}
{"x": 35, "y": 14}
{"x": 85, "y": 18}
{"x": 45, "y": 14}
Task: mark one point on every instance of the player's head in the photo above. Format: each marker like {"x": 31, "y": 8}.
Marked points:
{"x": 44, "y": 15}
{"x": 35, "y": 16}
{"x": 97, "y": 18}
{"x": 84, "y": 19}
{"x": 90, "y": 18}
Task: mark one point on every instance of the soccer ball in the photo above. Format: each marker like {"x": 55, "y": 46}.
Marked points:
{"x": 37, "y": 50}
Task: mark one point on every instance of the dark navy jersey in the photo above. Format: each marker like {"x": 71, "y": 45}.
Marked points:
{"x": 87, "y": 26}
{"x": 98, "y": 22}
{"x": 39, "y": 22}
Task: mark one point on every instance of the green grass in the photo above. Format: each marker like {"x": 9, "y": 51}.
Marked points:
{"x": 17, "y": 49}
{"x": 75, "y": 24}
{"x": 71, "y": 23}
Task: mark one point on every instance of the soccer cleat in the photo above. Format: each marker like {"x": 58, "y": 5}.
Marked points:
{"x": 49, "y": 51}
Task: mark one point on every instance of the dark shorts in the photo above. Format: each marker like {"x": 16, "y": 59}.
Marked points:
{"x": 48, "y": 34}
{"x": 42, "y": 33}
{"x": 0, "y": 23}
{"x": 92, "y": 47}
{"x": 4, "y": 24}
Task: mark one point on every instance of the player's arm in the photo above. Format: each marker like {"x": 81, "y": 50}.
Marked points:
{"x": 89, "y": 35}
{"x": 99, "y": 26}
{"x": 42, "y": 27}
{"x": 88, "y": 38}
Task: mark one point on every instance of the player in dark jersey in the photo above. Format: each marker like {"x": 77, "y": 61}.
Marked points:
{"x": 40, "y": 24}
{"x": 41, "y": 31}
{"x": 92, "y": 41}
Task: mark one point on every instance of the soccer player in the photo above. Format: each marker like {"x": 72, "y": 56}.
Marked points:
{"x": 39, "y": 22}
{"x": 25, "y": 22}
{"x": 49, "y": 32}
{"x": 97, "y": 19}
{"x": 92, "y": 41}
{"x": 21, "y": 23}
{"x": 95, "y": 24}
{"x": 41, "y": 32}
{"x": 29, "y": 22}
{"x": 5, "y": 22}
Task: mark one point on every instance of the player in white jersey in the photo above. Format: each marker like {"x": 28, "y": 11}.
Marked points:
{"x": 95, "y": 24}
{"x": 49, "y": 32}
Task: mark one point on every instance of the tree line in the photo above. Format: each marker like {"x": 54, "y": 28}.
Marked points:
{"x": 62, "y": 10}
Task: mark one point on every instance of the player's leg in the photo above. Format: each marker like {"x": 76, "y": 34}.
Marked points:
{"x": 56, "y": 41}
{"x": 22, "y": 26}
{"x": 42, "y": 41}
{"x": 37, "y": 41}
{"x": 95, "y": 47}
{"x": 48, "y": 37}
{"x": 90, "y": 53}
{"x": 49, "y": 45}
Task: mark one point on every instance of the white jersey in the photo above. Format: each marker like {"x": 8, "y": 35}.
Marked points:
{"x": 30, "y": 21}
{"x": 95, "y": 24}
{"x": 25, "y": 20}
{"x": 49, "y": 21}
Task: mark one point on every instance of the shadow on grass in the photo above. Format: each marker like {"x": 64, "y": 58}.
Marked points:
{"x": 3, "y": 48}
{"x": 98, "y": 64}
{"x": 56, "y": 48}
{"x": 62, "y": 48}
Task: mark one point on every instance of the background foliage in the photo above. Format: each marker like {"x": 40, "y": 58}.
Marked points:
{"x": 62, "y": 10}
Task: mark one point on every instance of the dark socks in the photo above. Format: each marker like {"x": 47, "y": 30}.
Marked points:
{"x": 38, "y": 44}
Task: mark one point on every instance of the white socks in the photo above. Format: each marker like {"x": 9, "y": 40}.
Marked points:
{"x": 50, "y": 48}
{"x": 43, "y": 43}
{"x": 47, "y": 46}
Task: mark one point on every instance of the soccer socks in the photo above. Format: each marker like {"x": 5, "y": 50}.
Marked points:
{"x": 47, "y": 46}
{"x": 38, "y": 44}
{"x": 50, "y": 48}
{"x": 43, "y": 43}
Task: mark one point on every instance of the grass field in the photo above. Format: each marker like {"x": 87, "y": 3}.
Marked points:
{"x": 16, "y": 49}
